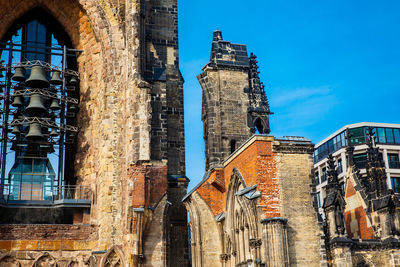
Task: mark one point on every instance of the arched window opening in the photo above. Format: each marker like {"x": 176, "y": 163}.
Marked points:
{"x": 39, "y": 97}
{"x": 259, "y": 126}
{"x": 233, "y": 146}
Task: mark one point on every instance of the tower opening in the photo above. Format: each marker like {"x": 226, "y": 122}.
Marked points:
{"x": 39, "y": 101}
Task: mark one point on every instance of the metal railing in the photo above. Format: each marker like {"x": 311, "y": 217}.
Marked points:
{"x": 42, "y": 192}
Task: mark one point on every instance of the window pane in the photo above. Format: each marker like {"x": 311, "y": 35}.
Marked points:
{"x": 396, "y": 136}
{"x": 381, "y": 135}
{"x": 389, "y": 135}
{"x": 358, "y": 135}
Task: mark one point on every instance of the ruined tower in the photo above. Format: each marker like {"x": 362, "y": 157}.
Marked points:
{"x": 234, "y": 102}
{"x": 93, "y": 158}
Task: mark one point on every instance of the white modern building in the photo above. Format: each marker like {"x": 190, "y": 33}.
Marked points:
{"x": 387, "y": 139}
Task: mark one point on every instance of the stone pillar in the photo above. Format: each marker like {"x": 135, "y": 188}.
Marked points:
{"x": 275, "y": 242}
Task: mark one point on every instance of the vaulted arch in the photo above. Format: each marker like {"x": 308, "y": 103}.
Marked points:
{"x": 113, "y": 258}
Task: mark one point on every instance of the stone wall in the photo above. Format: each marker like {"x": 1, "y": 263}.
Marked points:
{"x": 130, "y": 119}
{"x": 294, "y": 164}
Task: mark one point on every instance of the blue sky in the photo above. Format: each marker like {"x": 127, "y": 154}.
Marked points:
{"x": 325, "y": 64}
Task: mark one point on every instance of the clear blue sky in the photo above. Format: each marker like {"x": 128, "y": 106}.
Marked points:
{"x": 325, "y": 64}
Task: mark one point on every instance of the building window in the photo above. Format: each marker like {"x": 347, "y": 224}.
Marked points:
{"x": 40, "y": 114}
{"x": 324, "y": 175}
{"x": 339, "y": 166}
{"x": 233, "y": 146}
{"x": 393, "y": 160}
{"x": 319, "y": 202}
{"x": 360, "y": 160}
{"x": 358, "y": 135}
{"x": 395, "y": 184}
{"x": 316, "y": 177}
{"x": 342, "y": 187}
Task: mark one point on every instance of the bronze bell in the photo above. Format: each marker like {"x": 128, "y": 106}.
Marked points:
{"x": 15, "y": 130}
{"x": 19, "y": 75}
{"x": 17, "y": 102}
{"x": 35, "y": 132}
{"x": 56, "y": 78}
{"x": 37, "y": 78}
{"x": 53, "y": 132}
{"x": 54, "y": 105}
{"x": 73, "y": 81}
{"x": 35, "y": 104}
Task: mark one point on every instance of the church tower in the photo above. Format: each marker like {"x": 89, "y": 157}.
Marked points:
{"x": 234, "y": 102}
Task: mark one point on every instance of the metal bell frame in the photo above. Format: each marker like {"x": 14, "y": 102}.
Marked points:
{"x": 59, "y": 129}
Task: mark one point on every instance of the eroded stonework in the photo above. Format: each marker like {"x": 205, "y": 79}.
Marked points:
{"x": 130, "y": 147}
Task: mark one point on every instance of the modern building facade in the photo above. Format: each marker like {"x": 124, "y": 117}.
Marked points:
{"x": 387, "y": 140}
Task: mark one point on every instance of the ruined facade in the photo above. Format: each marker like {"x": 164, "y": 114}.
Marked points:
{"x": 129, "y": 151}
{"x": 234, "y": 105}
{"x": 362, "y": 221}
{"x": 254, "y": 205}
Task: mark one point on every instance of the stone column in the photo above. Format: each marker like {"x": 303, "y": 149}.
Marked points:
{"x": 275, "y": 242}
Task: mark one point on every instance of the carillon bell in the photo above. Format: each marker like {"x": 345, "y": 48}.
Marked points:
{"x": 35, "y": 104}
{"x": 37, "y": 78}
{"x": 73, "y": 81}
{"x": 53, "y": 132}
{"x": 19, "y": 75}
{"x": 35, "y": 132}
{"x": 17, "y": 102}
{"x": 56, "y": 78}
{"x": 15, "y": 130}
{"x": 54, "y": 105}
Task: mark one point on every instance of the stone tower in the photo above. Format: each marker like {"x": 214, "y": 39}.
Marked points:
{"x": 115, "y": 199}
{"x": 234, "y": 102}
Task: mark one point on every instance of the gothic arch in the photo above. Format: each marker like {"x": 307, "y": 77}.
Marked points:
{"x": 113, "y": 258}
{"x": 241, "y": 222}
{"x": 9, "y": 261}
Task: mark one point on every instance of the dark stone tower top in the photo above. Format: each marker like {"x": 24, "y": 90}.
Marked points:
{"x": 234, "y": 102}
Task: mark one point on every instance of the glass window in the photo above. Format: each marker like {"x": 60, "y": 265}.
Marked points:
{"x": 393, "y": 160}
{"x": 395, "y": 184}
{"x": 316, "y": 177}
{"x": 342, "y": 187}
{"x": 343, "y": 138}
{"x": 319, "y": 200}
{"x": 396, "y": 136}
{"x": 360, "y": 160}
{"x": 389, "y": 135}
{"x": 358, "y": 135}
{"x": 324, "y": 175}
{"x": 339, "y": 166}
{"x": 381, "y": 135}
{"x": 330, "y": 146}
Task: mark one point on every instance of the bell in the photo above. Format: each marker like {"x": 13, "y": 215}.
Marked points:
{"x": 35, "y": 132}
{"x": 73, "y": 81}
{"x": 17, "y": 102}
{"x": 72, "y": 107}
{"x": 53, "y": 132}
{"x": 37, "y": 78}
{"x": 15, "y": 130}
{"x": 19, "y": 75}
{"x": 56, "y": 78}
{"x": 54, "y": 105}
{"x": 35, "y": 104}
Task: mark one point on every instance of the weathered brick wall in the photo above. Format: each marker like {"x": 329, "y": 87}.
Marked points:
{"x": 281, "y": 173}
{"x": 356, "y": 220}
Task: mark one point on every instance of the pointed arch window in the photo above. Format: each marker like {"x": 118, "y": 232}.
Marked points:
{"x": 38, "y": 118}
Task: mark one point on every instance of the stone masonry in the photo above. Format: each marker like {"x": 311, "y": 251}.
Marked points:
{"x": 234, "y": 102}
{"x": 130, "y": 147}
